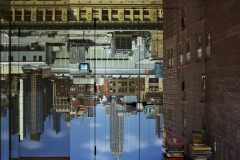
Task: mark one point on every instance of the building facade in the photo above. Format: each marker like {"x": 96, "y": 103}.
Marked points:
{"x": 199, "y": 78}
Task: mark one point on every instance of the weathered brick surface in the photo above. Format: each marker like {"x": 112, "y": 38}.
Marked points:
{"x": 222, "y": 71}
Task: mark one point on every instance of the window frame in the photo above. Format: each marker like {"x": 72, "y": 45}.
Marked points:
{"x": 203, "y": 128}
{"x": 25, "y": 58}
{"x": 202, "y": 87}
{"x": 184, "y": 123}
{"x": 34, "y": 58}
{"x": 181, "y": 52}
{"x": 207, "y": 43}
{"x": 199, "y": 45}
{"x": 183, "y": 90}
{"x": 183, "y": 18}
{"x": 170, "y": 58}
{"x": 202, "y": 9}
{"x": 40, "y": 60}
{"x": 187, "y": 50}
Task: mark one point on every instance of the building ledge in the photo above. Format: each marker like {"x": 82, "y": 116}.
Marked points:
{"x": 201, "y": 20}
{"x": 202, "y": 103}
{"x": 183, "y": 30}
{"x": 170, "y": 69}
{"x": 187, "y": 65}
{"x": 183, "y": 101}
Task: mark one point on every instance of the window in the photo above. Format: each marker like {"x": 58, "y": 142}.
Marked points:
{"x": 119, "y": 83}
{"x": 34, "y": 58}
{"x": 131, "y": 83}
{"x": 207, "y": 45}
{"x": 184, "y": 19}
{"x": 204, "y": 129}
{"x": 11, "y": 58}
{"x": 153, "y": 80}
{"x": 183, "y": 90}
{"x": 202, "y": 9}
{"x": 184, "y": 123}
{"x": 153, "y": 88}
{"x": 113, "y": 83}
{"x": 80, "y": 89}
{"x": 180, "y": 50}
{"x": 199, "y": 48}
{"x": 170, "y": 120}
{"x": 112, "y": 90}
{"x": 24, "y": 58}
{"x": 122, "y": 83}
{"x": 187, "y": 46}
{"x": 203, "y": 89}
{"x": 40, "y": 58}
{"x": 131, "y": 90}
{"x": 170, "y": 58}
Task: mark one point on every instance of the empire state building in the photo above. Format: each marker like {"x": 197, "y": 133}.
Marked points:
{"x": 116, "y": 129}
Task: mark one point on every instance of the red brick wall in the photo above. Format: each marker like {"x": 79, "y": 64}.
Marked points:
{"x": 221, "y": 70}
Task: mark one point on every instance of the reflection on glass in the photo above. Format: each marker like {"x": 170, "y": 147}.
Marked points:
{"x": 54, "y": 79}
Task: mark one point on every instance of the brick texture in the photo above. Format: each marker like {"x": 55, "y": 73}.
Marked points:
{"x": 222, "y": 71}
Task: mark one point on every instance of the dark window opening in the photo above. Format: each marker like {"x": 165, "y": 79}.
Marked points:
{"x": 153, "y": 80}
{"x": 184, "y": 19}
{"x": 34, "y": 58}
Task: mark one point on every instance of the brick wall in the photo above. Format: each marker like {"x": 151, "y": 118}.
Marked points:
{"x": 221, "y": 71}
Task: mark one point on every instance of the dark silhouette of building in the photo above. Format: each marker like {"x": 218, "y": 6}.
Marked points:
{"x": 47, "y": 97}
{"x": 56, "y": 121}
{"x": 33, "y": 96}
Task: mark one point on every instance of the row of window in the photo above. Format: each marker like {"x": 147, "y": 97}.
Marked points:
{"x": 81, "y": 89}
{"x": 24, "y": 58}
{"x": 122, "y": 90}
{"x": 202, "y": 89}
{"x": 72, "y": 15}
{"x": 202, "y": 46}
{"x": 202, "y": 14}
{"x": 62, "y": 94}
{"x": 122, "y": 83}
{"x": 153, "y": 88}
{"x": 184, "y": 124}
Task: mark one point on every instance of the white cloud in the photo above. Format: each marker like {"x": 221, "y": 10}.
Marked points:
{"x": 157, "y": 142}
{"x": 97, "y": 125}
{"x": 52, "y": 134}
{"x": 31, "y": 144}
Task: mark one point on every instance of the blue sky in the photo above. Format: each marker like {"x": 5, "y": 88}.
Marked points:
{"x": 4, "y": 155}
{"x": 50, "y": 144}
{"x": 83, "y": 146}
{"x": 78, "y": 140}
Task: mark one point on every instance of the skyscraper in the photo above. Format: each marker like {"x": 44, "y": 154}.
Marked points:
{"x": 56, "y": 116}
{"x": 33, "y": 89}
{"x": 116, "y": 130}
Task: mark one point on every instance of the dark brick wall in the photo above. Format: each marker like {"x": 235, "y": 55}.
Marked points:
{"x": 222, "y": 71}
